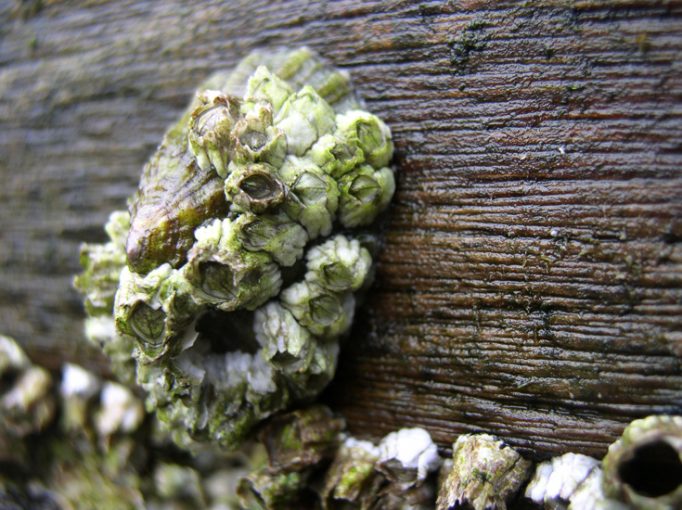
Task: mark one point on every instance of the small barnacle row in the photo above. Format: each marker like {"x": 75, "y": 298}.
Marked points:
{"x": 224, "y": 291}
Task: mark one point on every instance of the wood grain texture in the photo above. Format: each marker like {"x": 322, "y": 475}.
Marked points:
{"x": 531, "y": 280}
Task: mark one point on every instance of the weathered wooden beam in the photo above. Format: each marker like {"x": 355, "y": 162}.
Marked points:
{"x": 531, "y": 280}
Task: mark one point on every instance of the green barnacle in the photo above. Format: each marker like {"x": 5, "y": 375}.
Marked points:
{"x": 255, "y": 187}
{"x": 352, "y": 481}
{"x": 313, "y": 195}
{"x": 364, "y": 193}
{"x": 267, "y": 86}
{"x": 304, "y": 117}
{"x": 224, "y": 274}
{"x": 154, "y": 309}
{"x": 370, "y": 134}
{"x": 187, "y": 296}
{"x": 275, "y": 234}
{"x": 485, "y": 474}
{"x": 209, "y": 130}
{"x": 335, "y": 155}
{"x": 102, "y": 264}
{"x": 324, "y": 313}
{"x": 339, "y": 265}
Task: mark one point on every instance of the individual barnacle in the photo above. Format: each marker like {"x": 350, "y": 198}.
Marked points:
{"x": 154, "y": 309}
{"x": 77, "y": 390}
{"x": 120, "y": 411}
{"x": 266, "y": 159}
{"x": 303, "y": 118}
{"x": 263, "y": 490}
{"x": 286, "y": 344}
{"x": 323, "y": 313}
{"x": 254, "y": 138}
{"x": 335, "y": 155}
{"x": 363, "y": 194}
{"x": 406, "y": 457}
{"x": 209, "y": 130}
{"x": 284, "y": 240}
{"x": 339, "y": 265}
{"x": 589, "y": 495}
{"x": 485, "y": 474}
{"x": 313, "y": 195}
{"x": 643, "y": 468}
{"x": 255, "y": 187}
{"x": 371, "y": 135}
{"x": 224, "y": 274}
{"x": 267, "y": 86}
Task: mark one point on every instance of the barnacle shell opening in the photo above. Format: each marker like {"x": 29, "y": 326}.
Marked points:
{"x": 235, "y": 274}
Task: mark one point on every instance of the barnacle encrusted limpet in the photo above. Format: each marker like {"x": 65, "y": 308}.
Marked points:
{"x": 226, "y": 288}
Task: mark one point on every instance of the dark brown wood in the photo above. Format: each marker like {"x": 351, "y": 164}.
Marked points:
{"x": 531, "y": 280}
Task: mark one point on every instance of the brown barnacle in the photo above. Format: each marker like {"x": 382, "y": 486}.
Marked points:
{"x": 643, "y": 468}
{"x": 255, "y": 187}
{"x": 301, "y": 439}
{"x": 254, "y": 139}
{"x": 486, "y": 473}
{"x": 210, "y": 128}
{"x": 27, "y": 404}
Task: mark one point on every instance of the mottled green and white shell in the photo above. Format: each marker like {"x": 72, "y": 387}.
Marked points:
{"x": 226, "y": 288}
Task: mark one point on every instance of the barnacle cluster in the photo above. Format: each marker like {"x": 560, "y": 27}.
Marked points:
{"x": 226, "y": 288}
